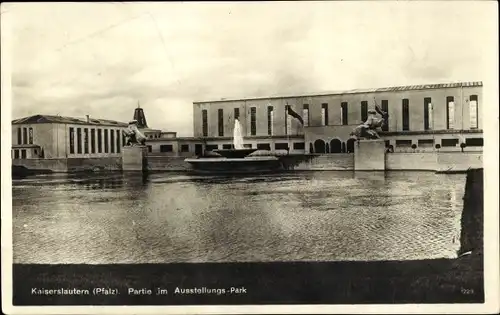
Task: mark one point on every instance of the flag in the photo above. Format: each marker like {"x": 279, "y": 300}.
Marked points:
{"x": 290, "y": 112}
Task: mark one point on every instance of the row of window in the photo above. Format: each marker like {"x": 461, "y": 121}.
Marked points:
{"x": 24, "y": 135}
{"x": 428, "y": 115}
{"x": 337, "y": 146}
{"x": 17, "y": 151}
{"x": 334, "y": 146}
{"x": 209, "y": 147}
{"x": 108, "y": 140}
{"x": 452, "y": 142}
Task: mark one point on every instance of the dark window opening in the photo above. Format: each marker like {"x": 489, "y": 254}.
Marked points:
{"x": 204, "y": 119}
{"x": 364, "y": 111}
{"x": 343, "y": 106}
{"x": 71, "y": 140}
{"x": 237, "y": 113}
{"x": 112, "y": 140}
{"x": 86, "y": 140}
{"x": 385, "y": 108}
{"x": 198, "y": 149}
{"x": 19, "y": 136}
{"x": 474, "y": 142}
{"x": 281, "y": 146}
{"x": 220, "y": 113}
{"x": 211, "y": 147}
{"x": 449, "y": 142}
{"x": 25, "y": 135}
{"x": 324, "y": 116}
{"x": 106, "y": 142}
{"x": 406, "y": 114}
{"x": 319, "y": 146}
{"x": 166, "y": 148}
{"x": 336, "y": 146}
{"x": 403, "y": 143}
{"x": 253, "y": 121}
{"x": 79, "y": 140}
{"x": 299, "y": 146}
{"x": 92, "y": 140}
{"x": 263, "y": 146}
{"x": 426, "y": 142}
{"x": 16, "y": 154}
{"x": 150, "y": 149}
{"x": 99, "y": 140}
{"x": 387, "y": 143}
{"x": 184, "y": 147}
{"x": 118, "y": 141}
{"x": 23, "y": 154}
{"x": 227, "y": 146}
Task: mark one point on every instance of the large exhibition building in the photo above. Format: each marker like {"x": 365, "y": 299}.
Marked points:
{"x": 425, "y": 116}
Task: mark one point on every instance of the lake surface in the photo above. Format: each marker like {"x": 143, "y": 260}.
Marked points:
{"x": 310, "y": 216}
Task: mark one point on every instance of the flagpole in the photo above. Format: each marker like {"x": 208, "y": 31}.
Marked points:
{"x": 286, "y": 125}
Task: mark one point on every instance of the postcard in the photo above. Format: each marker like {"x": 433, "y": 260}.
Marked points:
{"x": 250, "y": 157}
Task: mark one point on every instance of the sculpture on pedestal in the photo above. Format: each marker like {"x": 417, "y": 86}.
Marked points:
{"x": 134, "y": 136}
{"x": 368, "y": 130}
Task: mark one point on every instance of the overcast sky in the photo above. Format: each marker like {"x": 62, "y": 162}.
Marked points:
{"x": 101, "y": 59}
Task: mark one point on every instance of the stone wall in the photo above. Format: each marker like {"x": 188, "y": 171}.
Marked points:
{"x": 431, "y": 161}
{"x": 54, "y": 165}
{"x": 459, "y": 161}
{"x": 411, "y": 161}
{"x": 167, "y": 163}
{"x": 331, "y": 162}
{"x": 94, "y": 164}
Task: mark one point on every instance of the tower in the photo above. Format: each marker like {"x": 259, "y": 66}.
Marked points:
{"x": 140, "y": 117}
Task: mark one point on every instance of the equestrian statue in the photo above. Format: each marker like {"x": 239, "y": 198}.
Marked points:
{"x": 368, "y": 130}
{"x": 134, "y": 136}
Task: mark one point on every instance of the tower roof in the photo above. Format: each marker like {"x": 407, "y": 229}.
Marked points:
{"x": 140, "y": 117}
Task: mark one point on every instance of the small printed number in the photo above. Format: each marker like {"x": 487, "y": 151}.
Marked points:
{"x": 467, "y": 291}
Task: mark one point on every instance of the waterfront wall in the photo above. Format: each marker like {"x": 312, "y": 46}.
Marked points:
{"x": 398, "y": 161}
{"x": 70, "y": 165}
{"x": 317, "y": 162}
{"x": 167, "y": 163}
{"x": 429, "y": 161}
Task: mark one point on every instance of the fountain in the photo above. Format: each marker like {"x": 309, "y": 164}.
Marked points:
{"x": 237, "y": 160}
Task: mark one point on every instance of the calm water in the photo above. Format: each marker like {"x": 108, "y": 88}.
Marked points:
{"x": 179, "y": 218}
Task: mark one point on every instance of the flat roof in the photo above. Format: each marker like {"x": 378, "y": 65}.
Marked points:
{"x": 356, "y": 91}
{"x": 55, "y": 119}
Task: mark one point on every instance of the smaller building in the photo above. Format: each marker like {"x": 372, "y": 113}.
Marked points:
{"x": 60, "y": 137}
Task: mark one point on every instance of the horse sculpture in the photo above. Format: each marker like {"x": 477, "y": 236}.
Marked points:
{"x": 133, "y": 135}
{"x": 368, "y": 130}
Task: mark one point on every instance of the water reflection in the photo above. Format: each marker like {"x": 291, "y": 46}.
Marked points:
{"x": 292, "y": 216}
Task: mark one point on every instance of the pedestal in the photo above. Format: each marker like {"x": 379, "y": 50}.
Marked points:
{"x": 369, "y": 155}
{"x": 134, "y": 158}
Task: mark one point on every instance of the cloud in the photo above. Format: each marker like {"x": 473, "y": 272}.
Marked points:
{"x": 101, "y": 59}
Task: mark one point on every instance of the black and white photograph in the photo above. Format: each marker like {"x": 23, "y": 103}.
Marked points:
{"x": 250, "y": 157}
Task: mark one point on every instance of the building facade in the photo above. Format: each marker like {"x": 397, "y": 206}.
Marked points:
{"x": 58, "y": 137}
{"x": 423, "y": 117}
{"x": 436, "y": 117}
